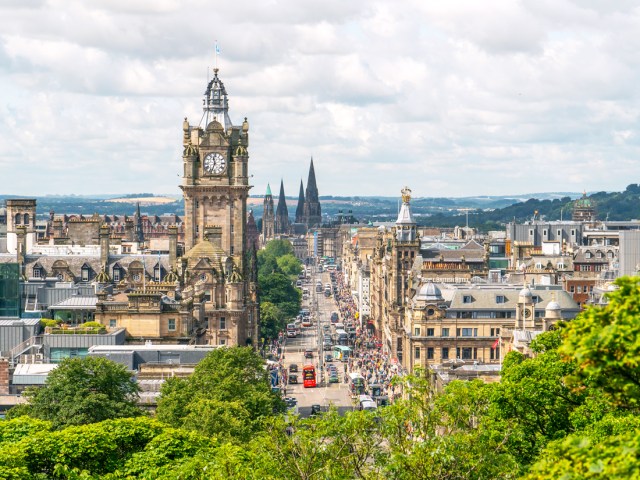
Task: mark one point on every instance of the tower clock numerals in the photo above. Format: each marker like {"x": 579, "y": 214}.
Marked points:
{"x": 214, "y": 163}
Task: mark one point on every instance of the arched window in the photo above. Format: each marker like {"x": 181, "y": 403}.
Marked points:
{"x": 26, "y": 219}
{"x": 18, "y": 219}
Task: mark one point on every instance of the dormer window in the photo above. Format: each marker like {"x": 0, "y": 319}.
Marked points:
{"x": 466, "y": 299}
{"x": 85, "y": 274}
{"x": 501, "y": 299}
{"x": 157, "y": 273}
{"x": 37, "y": 272}
{"x": 587, "y": 255}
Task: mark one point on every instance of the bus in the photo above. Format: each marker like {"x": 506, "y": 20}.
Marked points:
{"x": 291, "y": 330}
{"x": 309, "y": 376}
{"x": 341, "y": 353}
{"x": 342, "y": 337}
{"x": 356, "y": 383}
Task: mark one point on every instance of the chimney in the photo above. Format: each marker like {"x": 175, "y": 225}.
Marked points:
{"x": 104, "y": 245}
{"x": 173, "y": 246}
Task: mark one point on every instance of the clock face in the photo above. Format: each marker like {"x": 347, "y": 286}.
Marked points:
{"x": 527, "y": 313}
{"x": 214, "y": 163}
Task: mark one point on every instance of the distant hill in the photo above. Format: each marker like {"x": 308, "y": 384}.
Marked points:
{"x": 484, "y": 212}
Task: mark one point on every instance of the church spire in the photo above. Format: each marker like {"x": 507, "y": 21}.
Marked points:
{"x": 282, "y": 213}
{"x": 300, "y": 208}
{"x": 139, "y": 229}
{"x": 268, "y": 218}
{"x": 312, "y": 210}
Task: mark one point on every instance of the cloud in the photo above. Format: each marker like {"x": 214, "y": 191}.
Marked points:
{"x": 453, "y": 98}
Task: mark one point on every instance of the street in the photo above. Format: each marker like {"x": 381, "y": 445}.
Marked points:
{"x": 325, "y": 394}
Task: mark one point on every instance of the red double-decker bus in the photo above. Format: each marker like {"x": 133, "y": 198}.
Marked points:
{"x": 309, "y": 376}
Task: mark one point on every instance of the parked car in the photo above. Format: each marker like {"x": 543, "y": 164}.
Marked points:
{"x": 308, "y": 353}
{"x": 293, "y": 368}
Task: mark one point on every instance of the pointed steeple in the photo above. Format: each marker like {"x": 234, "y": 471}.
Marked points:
{"x": 282, "y": 213}
{"x": 139, "y": 229}
{"x": 300, "y": 208}
{"x": 268, "y": 218}
{"x": 312, "y": 210}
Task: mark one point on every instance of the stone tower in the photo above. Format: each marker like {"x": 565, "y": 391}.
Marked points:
{"x": 282, "y": 223}
{"x": 312, "y": 210}
{"x": 300, "y": 207}
{"x": 21, "y": 217}
{"x": 268, "y": 217}
{"x": 215, "y": 187}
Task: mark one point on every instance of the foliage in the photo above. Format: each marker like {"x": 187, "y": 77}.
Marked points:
{"x": 604, "y": 344}
{"x": 289, "y": 265}
{"x": 81, "y": 391}
{"x": 49, "y": 322}
{"x": 278, "y": 289}
{"x": 272, "y": 320}
{"x": 228, "y": 396}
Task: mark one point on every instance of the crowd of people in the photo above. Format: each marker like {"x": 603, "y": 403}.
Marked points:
{"x": 368, "y": 358}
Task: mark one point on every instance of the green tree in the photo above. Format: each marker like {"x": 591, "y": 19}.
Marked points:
{"x": 289, "y": 265}
{"x": 279, "y": 248}
{"x": 271, "y": 320}
{"x": 278, "y": 289}
{"x": 228, "y": 396}
{"x": 81, "y": 391}
{"x": 603, "y": 342}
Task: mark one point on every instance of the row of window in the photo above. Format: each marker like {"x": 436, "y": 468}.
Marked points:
{"x": 476, "y": 314}
{"x": 460, "y": 332}
{"x": 464, "y": 353}
{"x": 580, "y": 288}
{"x": 85, "y": 273}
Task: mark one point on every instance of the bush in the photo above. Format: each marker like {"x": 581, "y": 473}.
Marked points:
{"x": 48, "y": 322}
{"x": 91, "y": 325}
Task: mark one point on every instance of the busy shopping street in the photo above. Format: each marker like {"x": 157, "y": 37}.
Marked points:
{"x": 326, "y": 357}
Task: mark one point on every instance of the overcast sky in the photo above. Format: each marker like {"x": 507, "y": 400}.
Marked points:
{"x": 452, "y": 98}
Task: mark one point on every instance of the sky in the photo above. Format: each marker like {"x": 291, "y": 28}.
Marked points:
{"x": 455, "y": 98}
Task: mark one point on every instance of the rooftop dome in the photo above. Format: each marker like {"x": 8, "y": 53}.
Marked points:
{"x": 553, "y": 305}
{"x": 429, "y": 292}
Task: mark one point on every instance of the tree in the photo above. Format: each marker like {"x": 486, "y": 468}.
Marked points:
{"x": 278, "y": 289}
{"x": 289, "y": 265}
{"x": 603, "y": 342}
{"x": 278, "y": 248}
{"x": 81, "y": 391}
{"x": 228, "y": 396}
{"x": 271, "y": 320}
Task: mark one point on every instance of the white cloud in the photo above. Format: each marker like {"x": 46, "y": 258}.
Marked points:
{"x": 452, "y": 98}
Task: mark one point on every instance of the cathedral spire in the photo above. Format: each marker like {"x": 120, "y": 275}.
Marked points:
{"x": 268, "y": 217}
{"x": 139, "y": 229}
{"x": 312, "y": 210}
{"x": 282, "y": 213}
{"x": 300, "y": 208}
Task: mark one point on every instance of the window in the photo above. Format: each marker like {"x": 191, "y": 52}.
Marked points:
{"x": 503, "y": 314}
{"x": 156, "y": 274}
{"x": 587, "y": 255}
{"x": 598, "y": 254}
{"x": 466, "y": 299}
{"x": 495, "y": 332}
{"x": 609, "y": 254}
{"x": 37, "y": 273}
{"x": 416, "y": 332}
{"x": 572, "y": 289}
{"x": 500, "y": 299}
{"x": 116, "y": 274}
{"x": 222, "y": 341}
{"x": 545, "y": 233}
{"x": 430, "y": 332}
{"x": 531, "y": 232}
{"x": 172, "y": 324}
{"x": 60, "y": 277}
{"x": 223, "y": 323}
{"x": 467, "y": 332}
{"x": 475, "y": 332}
{"x": 445, "y": 353}
{"x": 231, "y": 251}
{"x": 495, "y": 353}
{"x": 560, "y": 266}
{"x": 467, "y": 352}
{"x": 559, "y": 234}
{"x": 113, "y": 323}
{"x": 445, "y": 332}
{"x": 85, "y": 274}
{"x": 417, "y": 353}
{"x": 429, "y": 353}
{"x": 578, "y": 289}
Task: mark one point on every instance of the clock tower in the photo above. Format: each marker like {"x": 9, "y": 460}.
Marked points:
{"x": 215, "y": 187}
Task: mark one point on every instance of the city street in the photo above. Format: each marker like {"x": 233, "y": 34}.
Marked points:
{"x": 325, "y": 394}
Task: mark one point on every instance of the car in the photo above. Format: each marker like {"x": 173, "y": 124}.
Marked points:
{"x": 316, "y": 409}
{"x": 308, "y": 353}
{"x": 333, "y": 377}
{"x": 293, "y": 378}
{"x": 328, "y": 357}
{"x": 332, "y": 368}
{"x": 293, "y": 368}
{"x": 368, "y": 405}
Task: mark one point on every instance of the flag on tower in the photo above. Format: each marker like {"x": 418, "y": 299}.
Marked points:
{"x": 217, "y": 48}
